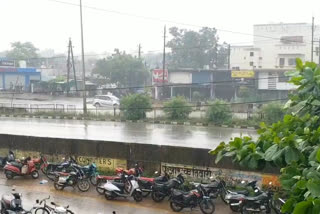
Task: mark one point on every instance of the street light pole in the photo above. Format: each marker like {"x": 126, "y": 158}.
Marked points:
{"x": 83, "y": 65}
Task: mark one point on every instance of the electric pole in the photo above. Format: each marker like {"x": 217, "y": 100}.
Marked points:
{"x": 164, "y": 59}
{"x": 139, "y": 51}
{"x": 83, "y": 65}
{"x": 229, "y": 53}
{"x": 319, "y": 53}
{"x": 312, "y": 34}
{"x": 68, "y": 68}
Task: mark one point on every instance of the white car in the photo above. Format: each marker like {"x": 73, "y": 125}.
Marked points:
{"x": 105, "y": 100}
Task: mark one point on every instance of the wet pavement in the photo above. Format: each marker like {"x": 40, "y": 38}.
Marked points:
{"x": 88, "y": 202}
{"x": 145, "y": 133}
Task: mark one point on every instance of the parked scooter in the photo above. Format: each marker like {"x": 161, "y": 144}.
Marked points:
{"x": 161, "y": 190}
{"x": 9, "y": 158}
{"x": 102, "y": 180}
{"x": 27, "y": 167}
{"x": 74, "y": 178}
{"x": 113, "y": 189}
{"x": 12, "y": 203}
{"x": 180, "y": 200}
{"x": 57, "y": 209}
{"x": 41, "y": 163}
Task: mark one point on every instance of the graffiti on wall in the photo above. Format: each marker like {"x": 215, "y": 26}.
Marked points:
{"x": 231, "y": 177}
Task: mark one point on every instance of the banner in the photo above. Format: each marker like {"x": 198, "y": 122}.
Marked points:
{"x": 7, "y": 63}
{"x": 242, "y": 74}
{"x": 157, "y": 76}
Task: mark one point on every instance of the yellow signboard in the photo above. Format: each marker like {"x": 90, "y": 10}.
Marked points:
{"x": 103, "y": 163}
{"x": 242, "y": 74}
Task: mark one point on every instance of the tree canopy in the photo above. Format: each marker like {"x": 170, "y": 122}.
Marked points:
{"x": 22, "y": 51}
{"x": 122, "y": 69}
{"x": 191, "y": 49}
{"x": 292, "y": 144}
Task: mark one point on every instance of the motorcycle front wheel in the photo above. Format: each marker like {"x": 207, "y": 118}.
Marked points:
{"x": 207, "y": 207}
{"x": 41, "y": 210}
{"x": 137, "y": 196}
{"x": 83, "y": 185}
{"x": 93, "y": 180}
{"x": 175, "y": 207}
{"x": 99, "y": 187}
{"x": 50, "y": 173}
{"x": 35, "y": 174}
{"x": 157, "y": 196}
{"x": 9, "y": 174}
{"x": 57, "y": 186}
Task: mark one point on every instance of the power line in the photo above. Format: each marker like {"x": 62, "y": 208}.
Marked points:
{"x": 168, "y": 21}
{"x": 152, "y": 86}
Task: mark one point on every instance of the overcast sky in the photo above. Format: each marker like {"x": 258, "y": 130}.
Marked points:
{"x": 49, "y": 24}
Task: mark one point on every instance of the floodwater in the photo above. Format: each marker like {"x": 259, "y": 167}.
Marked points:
{"x": 144, "y": 133}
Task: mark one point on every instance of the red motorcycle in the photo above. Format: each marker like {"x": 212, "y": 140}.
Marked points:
{"x": 41, "y": 163}
{"x": 27, "y": 167}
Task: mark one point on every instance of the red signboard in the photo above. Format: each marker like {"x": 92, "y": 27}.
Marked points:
{"x": 157, "y": 76}
{"x": 8, "y": 69}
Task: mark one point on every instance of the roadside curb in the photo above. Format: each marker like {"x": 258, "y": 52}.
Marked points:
{"x": 205, "y": 124}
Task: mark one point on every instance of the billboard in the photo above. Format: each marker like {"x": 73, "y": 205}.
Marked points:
{"x": 242, "y": 74}
{"x": 157, "y": 76}
{"x": 6, "y": 63}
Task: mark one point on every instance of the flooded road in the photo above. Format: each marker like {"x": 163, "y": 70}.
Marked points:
{"x": 88, "y": 202}
{"x": 145, "y": 133}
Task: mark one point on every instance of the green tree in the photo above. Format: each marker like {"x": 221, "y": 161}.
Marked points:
{"x": 23, "y": 51}
{"x": 135, "y": 106}
{"x": 272, "y": 112}
{"x": 177, "y": 108}
{"x": 122, "y": 69}
{"x": 191, "y": 49}
{"x": 292, "y": 144}
{"x": 219, "y": 112}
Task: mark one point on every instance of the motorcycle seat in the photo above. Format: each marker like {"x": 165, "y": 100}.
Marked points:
{"x": 120, "y": 185}
{"x": 211, "y": 185}
{"x": 176, "y": 192}
{"x": 243, "y": 192}
{"x": 19, "y": 165}
{"x": 256, "y": 198}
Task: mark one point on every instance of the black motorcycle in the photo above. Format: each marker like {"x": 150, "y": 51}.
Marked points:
{"x": 161, "y": 190}
{"x": 146, "y": 184}
{"x": 198, "y": 197}
{"x": 75, "y": 178}
{"x": 52, "y": 168}
{"x": 9, "y": 158}
{"x": 12, "y": 204}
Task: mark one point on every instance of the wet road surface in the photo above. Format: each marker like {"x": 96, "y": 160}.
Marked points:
{"x": 146, "y": 133}
{"x": 88, "y": 202}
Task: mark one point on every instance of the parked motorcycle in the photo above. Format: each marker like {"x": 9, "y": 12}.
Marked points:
{"x": 27, "y": 167}
{"x": 90, "y": 172}
{"x": 161, "y": 190}
{"x": 59, "y": 167}
{"x": 146, "y": 184}
{"x": 180, "y": 200}
{"x": 9, "y": 158}
{"x": 12, "y": 203}
{"x": 114, "y": 189}
{"x": 57, "y": 209}
{"x": 233, "y": 197}
{"x": 102, "y": 179}
{"x": 74, "y": 178}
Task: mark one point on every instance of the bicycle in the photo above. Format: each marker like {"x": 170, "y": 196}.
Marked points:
{"x": 46, "y": 209}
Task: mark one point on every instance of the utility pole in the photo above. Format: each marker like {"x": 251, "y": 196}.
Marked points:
{"x": 68, "y": 68}
{"x": 319, "y": 53}
{"x": 312, "y": 34}
{"x": 83, "y": 65}
{"x": 164, "y": 59}
{"x": 229, "y": 53}
{"x": 139, "y": 51}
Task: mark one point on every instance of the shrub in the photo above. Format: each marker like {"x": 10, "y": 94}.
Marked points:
{"x": 177, "y": 108}
{"x": 219, "y": 112}
{"x": 196, "y": 96}
{"x": 272, "y": 112}
{"x": 135, "y": 106}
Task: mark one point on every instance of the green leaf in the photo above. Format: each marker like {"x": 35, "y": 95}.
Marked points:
{"x": 316, "y": 102}
{"x": 314, "y": 187}
{"x": 291, "y": 154}
{"x": 316, "y": 206}
{"x": 318, "y": 155}
{"x": 215, "y": 151}
{"x": 253, "y": 163}
{"x": 230, "y": 154}
{"x": 219, "y": 157}
{"x": 269, "y": 154}
{"x": 288, "y": 206}
{"x": 299, "y": 64}
{"x": 302, "y": 207}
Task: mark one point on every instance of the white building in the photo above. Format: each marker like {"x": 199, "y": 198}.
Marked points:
{"x": 276, "y": 46}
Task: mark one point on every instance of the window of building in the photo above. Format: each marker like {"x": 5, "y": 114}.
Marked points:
{"x": 282, "y": 77}
{"x": 317, "y": 51}
{"x": 260, "y": 58}
{"x": 291, "y": 39}
{"x": 251, "y": 63}
{"x": 291, "y": 61}
{"x": 260, "y": 66}
{"x": 251, "y": 53}
{"x": 281, "y": 62}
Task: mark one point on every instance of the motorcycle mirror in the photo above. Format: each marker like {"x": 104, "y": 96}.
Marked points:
{"x": 37, "y": 201}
